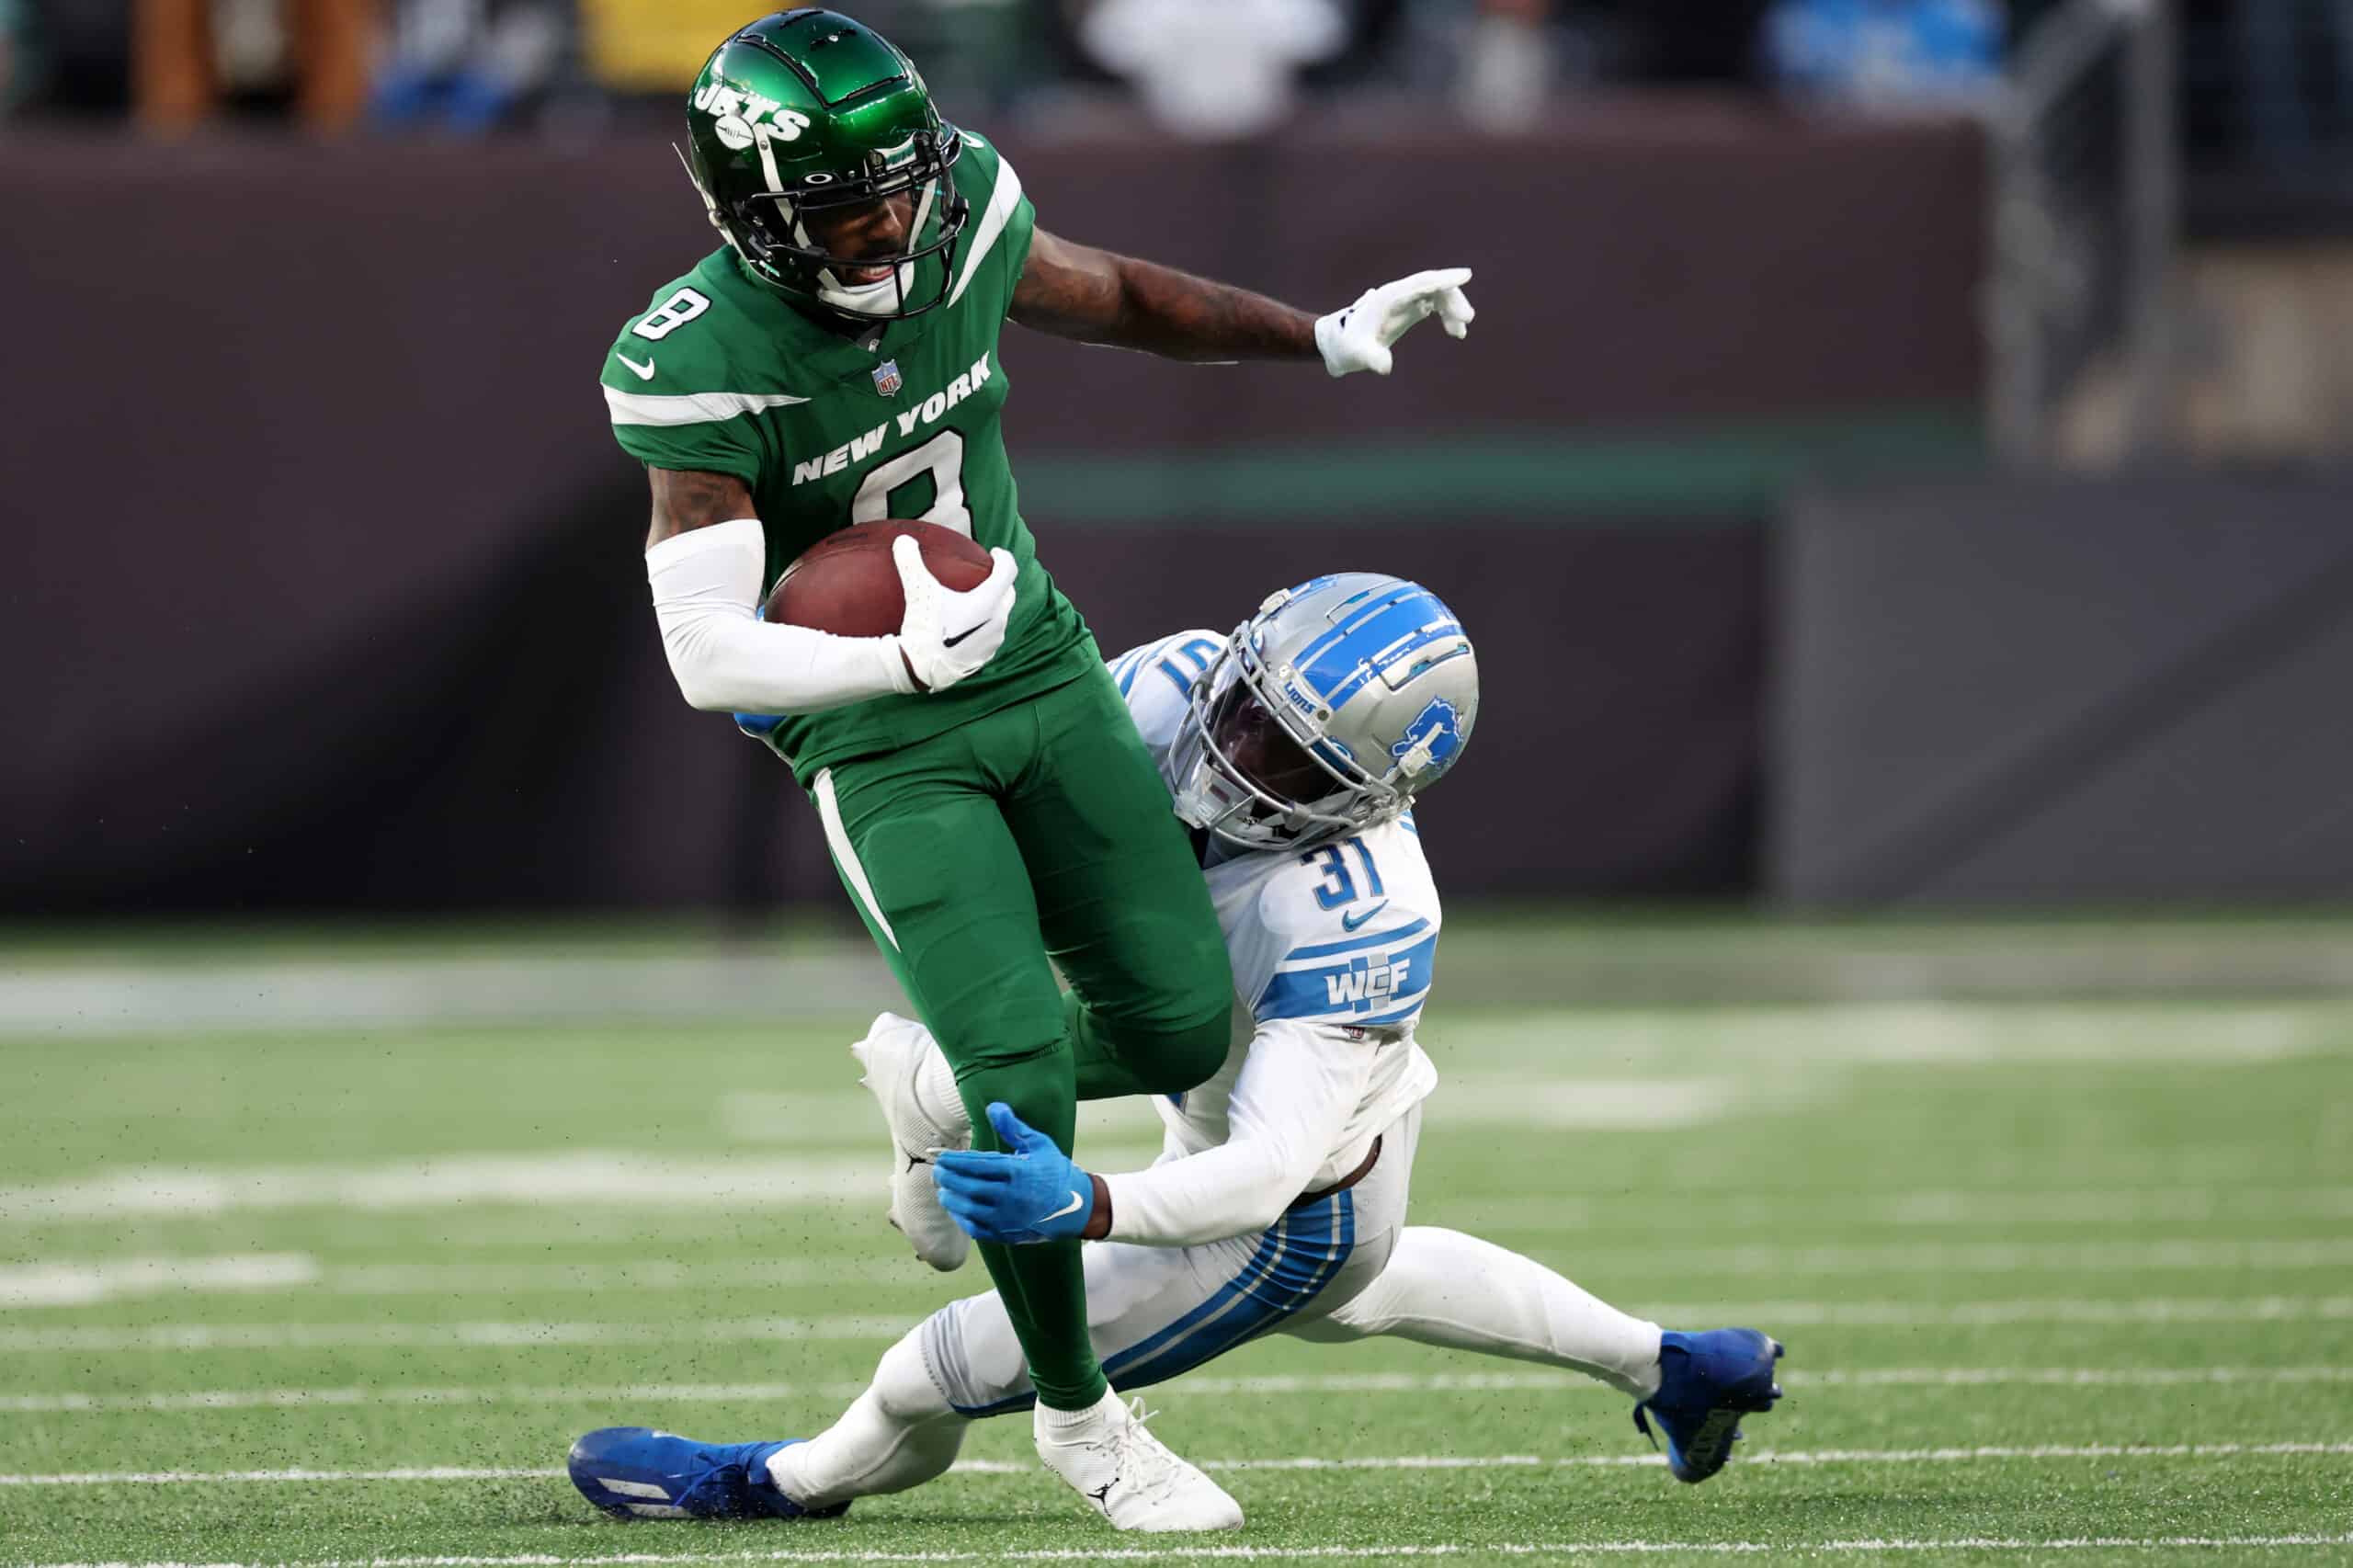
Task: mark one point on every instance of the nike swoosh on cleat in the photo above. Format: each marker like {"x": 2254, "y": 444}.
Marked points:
{"x": 951, "y": 641}
{"x": 644, "y": 373}
{"x": 1073, "y": 1207}
{"x": 1353, "y": 921}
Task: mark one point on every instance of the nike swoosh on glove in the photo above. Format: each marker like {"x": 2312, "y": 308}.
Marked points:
{"x": 946, "y": 635}
{"x": 1358, "y": 337}
{"x": 1032, "y": 1193}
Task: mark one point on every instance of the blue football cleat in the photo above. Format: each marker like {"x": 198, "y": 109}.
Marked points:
{"x": 635, "y": 1472}
{"x": 1707, "y": 1382}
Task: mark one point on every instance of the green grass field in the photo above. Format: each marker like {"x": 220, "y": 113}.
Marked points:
{"x": 2064, "y": 1278}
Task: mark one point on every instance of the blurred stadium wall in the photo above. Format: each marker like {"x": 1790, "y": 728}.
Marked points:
{"x": 353, "y": 614}
{"x": 335, "y": 601}
{"x": 2015, "y": 691}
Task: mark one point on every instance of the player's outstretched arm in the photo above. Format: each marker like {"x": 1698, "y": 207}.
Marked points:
{"x": 1294, "y": 1096}
{"x": 1098, "y": 296}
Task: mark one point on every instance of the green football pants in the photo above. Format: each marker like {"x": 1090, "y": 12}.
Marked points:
{"x": 1039, "y": 831}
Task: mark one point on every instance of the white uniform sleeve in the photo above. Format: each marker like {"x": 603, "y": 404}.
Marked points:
{"x": 1155, "y": 681}
{"x": 725, "y": 659}
{"x": 1297, "y": 1090}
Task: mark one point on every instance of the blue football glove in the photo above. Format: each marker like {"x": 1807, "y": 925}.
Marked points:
{"x": 1033, "y": 1194}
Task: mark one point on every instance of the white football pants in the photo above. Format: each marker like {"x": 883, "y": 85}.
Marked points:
{"x": 1344, "y": 1267}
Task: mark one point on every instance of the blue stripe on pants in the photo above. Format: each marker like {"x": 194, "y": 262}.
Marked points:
{"x": 1299, "y": 1255}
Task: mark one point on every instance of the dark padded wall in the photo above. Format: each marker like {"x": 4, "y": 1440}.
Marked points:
{"x": 490, "y": 756}
{"x": 328, "y": 591}
{"x": 2093, "y": 691}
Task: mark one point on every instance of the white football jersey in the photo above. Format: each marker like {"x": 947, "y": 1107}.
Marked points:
{"x": 1343, "y": 936}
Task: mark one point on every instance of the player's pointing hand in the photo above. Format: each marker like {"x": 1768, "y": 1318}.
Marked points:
{"x": 1358, "y": 337}
{"x": 946, "y": 635}
{"x": 1031, "y": 1193}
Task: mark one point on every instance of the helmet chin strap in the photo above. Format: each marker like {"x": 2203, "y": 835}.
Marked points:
{"x": 877, "y": 298}
{"x": 873, "y": 298}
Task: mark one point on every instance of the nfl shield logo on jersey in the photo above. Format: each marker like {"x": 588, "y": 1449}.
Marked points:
{"x": 886, "y": 378}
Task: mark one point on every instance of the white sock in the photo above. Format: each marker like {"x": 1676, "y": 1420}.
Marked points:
{"x": 900, "y": 1433}
{"x": 1061, "y": 1422}
{"x": 936, "y": 1095}
{"x": 1444, "y": 1288}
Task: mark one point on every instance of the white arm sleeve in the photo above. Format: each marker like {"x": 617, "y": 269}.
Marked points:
{"x": 727, "y": 660}
{"x": 1294, "y": 1096}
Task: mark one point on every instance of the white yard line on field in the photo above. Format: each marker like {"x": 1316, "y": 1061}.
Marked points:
{"x": 1564, "y": 1550}
{"x": 1559, "y": 1102}
{"x": 1942, "y": 1206}
{"x": 839, "y": 981}
{"x": 526, "y": 1334}
{"x": 1797, "y": 1456}
{"x": 98, "y": 1283}
{"x": 1306, "y": 1462}
{"x": 2104, "y": 1206}
{"x": 2065, "y": 1377}
{"x": 643, "y": 1274}
{"x": 2123, "y": 1035}
{"x": 111, "y": 1279}
{"x": 1979, "y": 1257}
{"x": 1987, "y": 1314}
{"x": 1268, "y": 1386}
{"x": 596, "y": 1177}
{"x": 493, "y": 1222}
{"x": 523, "y": 1333}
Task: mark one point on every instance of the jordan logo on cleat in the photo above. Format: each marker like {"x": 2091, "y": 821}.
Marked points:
{"x": 915, "y": 1160}
{"x": 1103, "y": 1491}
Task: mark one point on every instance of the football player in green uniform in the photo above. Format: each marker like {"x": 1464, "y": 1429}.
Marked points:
{"x": 983, "y": 794}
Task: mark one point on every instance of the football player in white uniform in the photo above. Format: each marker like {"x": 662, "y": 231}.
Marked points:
{"x": 1294, "y": 749}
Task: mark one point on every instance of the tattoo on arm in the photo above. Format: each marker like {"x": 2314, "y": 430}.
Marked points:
{"x": 1097, "y": 296}
{"x": 687, "y": 499}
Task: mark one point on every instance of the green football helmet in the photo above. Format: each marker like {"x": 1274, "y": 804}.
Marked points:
{"x": 807, "y": 110}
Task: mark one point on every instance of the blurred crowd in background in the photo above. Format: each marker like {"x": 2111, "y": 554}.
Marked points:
{"x": 1207, "y": 67}
{"x": 1716, "y": 307}
{"x": 2266, "y": 82}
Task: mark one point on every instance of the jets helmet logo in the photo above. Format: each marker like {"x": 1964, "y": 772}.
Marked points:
{"x": 1431, "y": 740}
{"x": 743, "y": 117}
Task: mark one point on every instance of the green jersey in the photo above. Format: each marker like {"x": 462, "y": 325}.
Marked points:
{"x": 826, "y": 430}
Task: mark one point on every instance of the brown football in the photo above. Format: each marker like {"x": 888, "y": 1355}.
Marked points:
{"x": 847, "y": 584}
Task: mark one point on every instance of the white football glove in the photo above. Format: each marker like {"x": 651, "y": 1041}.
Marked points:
{"x": 946, "y": 635}
{"x": 1357, "y": 338}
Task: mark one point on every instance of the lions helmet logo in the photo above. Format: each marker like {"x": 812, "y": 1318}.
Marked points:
{"x": 1430, "y": 740}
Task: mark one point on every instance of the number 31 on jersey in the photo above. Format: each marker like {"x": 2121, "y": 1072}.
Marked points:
{"x": 1339, "y": 878}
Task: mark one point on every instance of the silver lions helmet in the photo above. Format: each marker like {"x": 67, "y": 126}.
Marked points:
{"x": 1328, "y": 710}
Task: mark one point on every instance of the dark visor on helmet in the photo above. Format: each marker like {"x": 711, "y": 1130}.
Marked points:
{"x": 1254, "y": 742}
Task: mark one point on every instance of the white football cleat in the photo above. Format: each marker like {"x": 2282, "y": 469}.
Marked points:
{"x": 1128, "y": 1475}
{"x": 892, "y": 1051}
